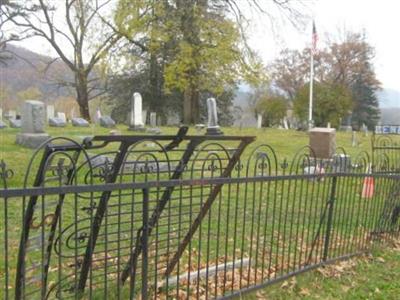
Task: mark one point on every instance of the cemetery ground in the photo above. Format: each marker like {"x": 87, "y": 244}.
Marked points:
{"x": 285, "y": 143}
{"x": 371, "y": 276}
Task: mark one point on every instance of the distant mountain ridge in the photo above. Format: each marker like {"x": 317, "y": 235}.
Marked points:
{"x": 29, "y": 69}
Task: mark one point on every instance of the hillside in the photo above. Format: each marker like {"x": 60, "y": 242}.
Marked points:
{"x": 390, "y": 116}
{"x": 28, "y": 69}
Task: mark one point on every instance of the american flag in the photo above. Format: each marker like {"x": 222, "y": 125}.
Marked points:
{"x": 314, "y": 39}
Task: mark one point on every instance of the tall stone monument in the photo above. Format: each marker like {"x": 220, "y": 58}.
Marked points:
{"x": 135, "y": 120}
{"x": 33, "y": 124}
{"x": 212, "y": 125}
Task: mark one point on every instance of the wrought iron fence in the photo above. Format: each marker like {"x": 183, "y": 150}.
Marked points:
{"x": 386, "y": 152}
{"x": 137, "y": 217}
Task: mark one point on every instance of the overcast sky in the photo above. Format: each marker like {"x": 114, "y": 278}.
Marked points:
{"x": 379, "y": 18}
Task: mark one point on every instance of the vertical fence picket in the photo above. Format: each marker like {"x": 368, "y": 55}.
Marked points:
{"x": 331, "y": 203}
{"x": 145, "y": 242}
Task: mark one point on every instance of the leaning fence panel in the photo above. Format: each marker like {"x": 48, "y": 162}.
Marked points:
{"x": 138, "y": 218}
{"x": 258, "y": 230}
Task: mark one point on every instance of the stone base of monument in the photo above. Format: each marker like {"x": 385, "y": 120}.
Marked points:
{"x": 32, "y": 140}
{"x": 107, "y": 122}
{"x": 80, "y": 122}
{"x": 137, "y": 128}
{"x": 154, "y": 130}
{"x": 57, "y": 122}
{"x": 214, "y": 131}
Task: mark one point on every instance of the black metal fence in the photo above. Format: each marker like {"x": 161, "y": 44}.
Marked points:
{"x": 184, "y": 217}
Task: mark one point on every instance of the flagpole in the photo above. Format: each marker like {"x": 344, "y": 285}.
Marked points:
{"x": 312, "y": 51}
{"x": 310, "y": 106}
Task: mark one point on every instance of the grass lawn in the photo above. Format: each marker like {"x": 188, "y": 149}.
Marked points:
{"x": 284, "y": 142}
{"x": 372, "y": 276}
{"x": 260, "y": 210}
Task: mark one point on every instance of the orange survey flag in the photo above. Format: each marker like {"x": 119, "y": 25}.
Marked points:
{"x": 368, "y": 186}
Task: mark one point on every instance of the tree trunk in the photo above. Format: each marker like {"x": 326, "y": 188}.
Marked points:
{"x": 82, "y": 96}
{"x": 191, "y": 106}
{"x": 155, "y": 94}
{"x": 187, "y": 107}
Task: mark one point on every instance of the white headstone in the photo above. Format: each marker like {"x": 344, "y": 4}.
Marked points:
{"x": 50, "y": 111}
{"x": 62, "y": 116}
{"x": 98, "y": 115}
{"x": 212, "y": 125}
{"x": 136, "y": 119}
{"x": 285, "y": 124}
{"x": 259, "y": 120}
{"x": 328, "y": 125}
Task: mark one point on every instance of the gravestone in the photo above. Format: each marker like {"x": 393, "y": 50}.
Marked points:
{"x": 12, "y": 114}
{"x": 50, "y": 111}
{"x": 33, "y": 124}
{"x": 285, "y": 123}
{"x": 97, "y": 116}
{"x": 136, "y": 113}
{"x": 107, "y": 122}
{"x": 15, "y": 123}
{"x": 2, "y": 124}
{"x": 79, "y": 122}
{"x": 57, "y": 122}
{"x": 364, "y": 128}
{"x": 212, "y": 125}
{"x": 144, "y": 116}
{"x": 173, "y": 119}
{"x": 323, "y": 142}
{"x": 259, "y": 120}
{"x": 62, "y": 116}
{"x": 353, "y": 139}
{"x": 153, "y": 124}
{"x": 153, "y": 119}
{"x": 341, "y": 163}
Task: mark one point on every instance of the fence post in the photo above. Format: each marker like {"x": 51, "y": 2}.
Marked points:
{"x": 145, "y": 236}
{"x": 330, "y": 217}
